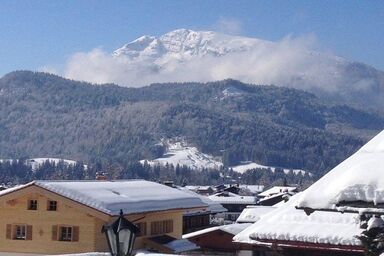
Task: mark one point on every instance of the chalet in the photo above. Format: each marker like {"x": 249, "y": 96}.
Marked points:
{"x": 220, "y": 237}
{"x": 328, "y": 217}
{"x": 289, "y": 231}
{"x": 57, "y": 217}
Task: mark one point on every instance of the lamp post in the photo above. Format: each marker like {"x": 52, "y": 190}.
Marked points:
{"x": 121, "y": 236}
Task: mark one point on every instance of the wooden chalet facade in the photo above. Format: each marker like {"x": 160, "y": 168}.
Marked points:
{"x": 44, "y": 217}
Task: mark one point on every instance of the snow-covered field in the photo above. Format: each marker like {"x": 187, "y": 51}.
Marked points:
{"x": 179, "y": 153}
{"x": 35, "y": 163}
{"x": 251, "y": 165}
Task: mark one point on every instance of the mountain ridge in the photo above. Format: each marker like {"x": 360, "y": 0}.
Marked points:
{"x": 42, "y": 114}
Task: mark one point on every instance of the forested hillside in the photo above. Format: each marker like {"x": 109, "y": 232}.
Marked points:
{"x": 46, "y": 115}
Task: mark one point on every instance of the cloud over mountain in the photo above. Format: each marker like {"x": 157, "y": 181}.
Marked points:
{"x": 184, "y": 55}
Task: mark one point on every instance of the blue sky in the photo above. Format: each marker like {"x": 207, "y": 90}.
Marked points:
{"x": 46, "y": 33}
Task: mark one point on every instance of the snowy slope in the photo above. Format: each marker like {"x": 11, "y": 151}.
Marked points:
{"x": 179, "y": 153}
{"x": 35, "y": 163}
{"x": 251, "y": 165}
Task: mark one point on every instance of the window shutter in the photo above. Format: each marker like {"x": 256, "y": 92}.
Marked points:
{"x": 75, "y": 235}
{"x": 28, "y": 235}
{"x": 9, "y": 231}
{"x": 54, "y": 233}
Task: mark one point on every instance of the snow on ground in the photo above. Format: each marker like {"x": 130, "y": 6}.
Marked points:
{"x": 179, "y": 153}
{"x": 358, "y": 178}
{"x": 251, "y": 165}
{"x": 37, "y": 162}
{"x": 287, "y": 223}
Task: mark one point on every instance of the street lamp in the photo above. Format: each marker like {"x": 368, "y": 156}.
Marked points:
{"x": 120, "y": 236}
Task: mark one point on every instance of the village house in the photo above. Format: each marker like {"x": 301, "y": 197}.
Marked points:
{"x": 57, "y": 217}
{"x": 276, "y": 194}
{"x": 329, "y": 217}
{"x": 220, "y": 238}
{"x": 198, "y": 219}
{"x": 234, "y": 203}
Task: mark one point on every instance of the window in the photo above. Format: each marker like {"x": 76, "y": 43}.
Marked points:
{"x": 142, "y": 229}
{"x": 32, "y": 204}
{"x": 52, "y": 205}
{"x": 161, "y": 227}
{"x": 19, "y": 232}
{"x": 65, "y": 233}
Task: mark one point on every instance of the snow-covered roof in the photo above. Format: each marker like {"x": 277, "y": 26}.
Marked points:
{"x": 276, "y": 190}
{"x": 232, "y": 198}
{"x": 287, "y": 223}
{"x": 252, "y": 214}
{"x": 358, "y": 178}
{"x": 255, "y": 189}
{"x": 213, "y": 207}
{"x": 132, "y": 196}
{"x": 232, "y": 229}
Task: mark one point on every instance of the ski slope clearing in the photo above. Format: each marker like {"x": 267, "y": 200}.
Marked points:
{"x": 251, "y": 165}
{"x": 179, "y": 153}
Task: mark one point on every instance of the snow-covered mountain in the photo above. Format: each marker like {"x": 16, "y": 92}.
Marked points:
{"x": 184, "y": 44}
{"x": 185, "y": 55}
{"x": 201, "y": 56}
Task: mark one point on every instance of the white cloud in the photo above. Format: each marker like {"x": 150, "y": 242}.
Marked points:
{"x": 289, "y": 62}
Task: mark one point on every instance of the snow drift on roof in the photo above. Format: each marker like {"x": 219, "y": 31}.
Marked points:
{"x": 232, "y": 229}
{"x": 287, "y": 223}
{"x": 358, "y": 178}
{"x": 252, "y": 214}
{"x": 132, "y": 196}
{"x": 232, "y": 198}
{"x": 277, "y": 190}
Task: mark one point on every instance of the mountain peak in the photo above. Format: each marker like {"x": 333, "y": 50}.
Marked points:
{"x": 185, "y": 43}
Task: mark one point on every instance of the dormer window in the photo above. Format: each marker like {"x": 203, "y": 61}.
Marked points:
{"x": 32, "y": 204}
